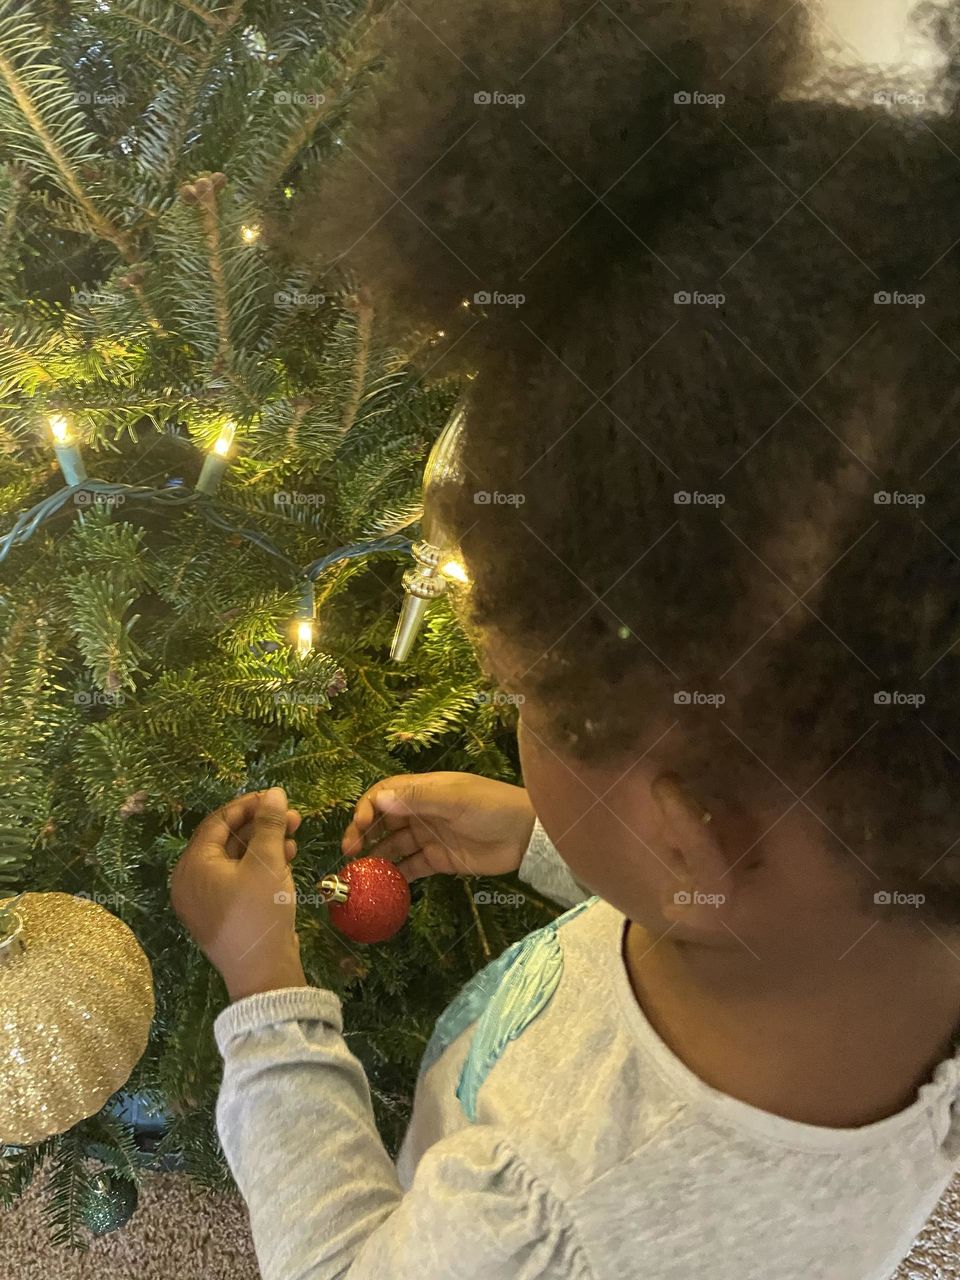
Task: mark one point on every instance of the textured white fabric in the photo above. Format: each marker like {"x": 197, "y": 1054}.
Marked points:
{"x": 596, "y": 1154}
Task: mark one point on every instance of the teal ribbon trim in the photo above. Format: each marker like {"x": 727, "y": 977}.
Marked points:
{"x": 502, "y": 999}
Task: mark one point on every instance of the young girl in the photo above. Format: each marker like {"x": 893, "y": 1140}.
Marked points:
{"x": 710, "y": 284}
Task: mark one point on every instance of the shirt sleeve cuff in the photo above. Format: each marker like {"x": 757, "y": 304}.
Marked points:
{"x": 292, "y": 1004}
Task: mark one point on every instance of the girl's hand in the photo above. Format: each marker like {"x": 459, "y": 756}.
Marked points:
{"x": 233, "y": 890}
{"x": 451, "y": 823}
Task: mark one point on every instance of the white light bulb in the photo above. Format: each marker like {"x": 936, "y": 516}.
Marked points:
{"x": 250, "y": 233}
{"x": 304, "y": 637}
{"x": 59, "y": 428}
{"x": 225, "y": 439}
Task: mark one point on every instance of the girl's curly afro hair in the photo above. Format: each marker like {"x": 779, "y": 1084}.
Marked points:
{"x": 710, "y": 309}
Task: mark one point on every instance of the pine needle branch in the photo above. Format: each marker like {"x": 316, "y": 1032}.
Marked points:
{"x": 22, "y": 96}
{"x": 211, "y": 227}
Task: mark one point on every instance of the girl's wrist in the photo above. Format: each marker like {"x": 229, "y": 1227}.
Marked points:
{"x": 280, "y": 982}
{"x": 281, "y": 972}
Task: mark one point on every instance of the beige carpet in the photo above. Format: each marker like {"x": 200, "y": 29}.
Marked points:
{"x": 182, "y": 1233}
{"x": 179, "y": 1232}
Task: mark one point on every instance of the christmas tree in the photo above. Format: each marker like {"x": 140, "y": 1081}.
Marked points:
{"x": 215, "y": 613}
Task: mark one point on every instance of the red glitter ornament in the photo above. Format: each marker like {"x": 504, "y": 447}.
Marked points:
{"x": 369, "y": 900}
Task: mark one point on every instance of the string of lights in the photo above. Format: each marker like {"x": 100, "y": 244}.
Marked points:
{"x": 81, "y": 491}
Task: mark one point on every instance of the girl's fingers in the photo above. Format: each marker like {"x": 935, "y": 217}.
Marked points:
{"x": 219, "y": 826}
{"x": 369, "y": 811}
{"x": 236, "y": 844}
{"x": 376, "y": 836}
{"x": 290, "y": 849}
{"x": 237, "y": 841}
{"x": 415, "y": 867}
{"x": 368, "y": 823}
{"x": 363, "y": 819}
{"x": 399, "y": 844}
{"x": 352, "y": 843}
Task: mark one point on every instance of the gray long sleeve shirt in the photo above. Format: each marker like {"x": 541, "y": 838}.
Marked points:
{"x": 555, "y": 1135}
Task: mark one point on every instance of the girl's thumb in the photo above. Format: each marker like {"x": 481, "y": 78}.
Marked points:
{"x": 267, "y": 844}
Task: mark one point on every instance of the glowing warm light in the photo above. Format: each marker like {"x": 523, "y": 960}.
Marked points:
{"x": 225, "y": 439}
{"x": 304, "y": 637}
{"x": 251, "y": 233}
{"x": 59, "y": 428}
{"x": 455, "y": 571}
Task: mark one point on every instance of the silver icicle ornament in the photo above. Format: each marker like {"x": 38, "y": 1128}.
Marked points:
{"x": 436, "y": 563}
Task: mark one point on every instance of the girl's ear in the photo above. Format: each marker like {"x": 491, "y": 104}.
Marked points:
{"x": 700, "y": 858}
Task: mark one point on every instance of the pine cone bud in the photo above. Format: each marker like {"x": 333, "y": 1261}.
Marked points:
{"x": 188, "y": 193}
{"x": 219, "y": 181}
{"x": 134, "y": 803}
{"x": 352, "y": 968}
{"x": 204, "y": 188}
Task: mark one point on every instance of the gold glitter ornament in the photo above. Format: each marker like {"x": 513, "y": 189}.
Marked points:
{"x": 76, "y": 1003}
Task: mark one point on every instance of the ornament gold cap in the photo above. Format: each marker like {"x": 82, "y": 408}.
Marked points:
{"x": 333, "y": 889}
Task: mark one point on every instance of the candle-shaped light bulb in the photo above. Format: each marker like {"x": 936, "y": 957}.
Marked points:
{"x": 66, "y": 450}
{"x": 304, "y": 638}
{"x": 305, "y": 620}
{"x": 225, "y": 439}
{"x": 217, "y": 460}
{"x": 60, "y": 428}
